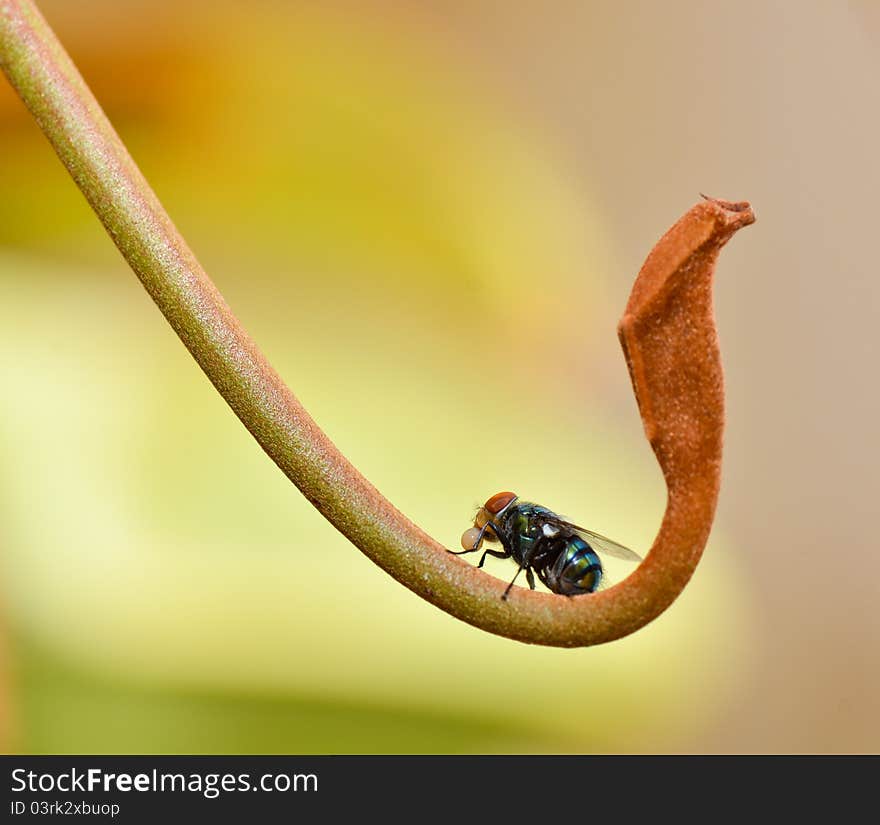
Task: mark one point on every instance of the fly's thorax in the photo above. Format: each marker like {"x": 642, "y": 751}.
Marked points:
{"x": 522, "y": 524}
{"x": 532, "y": 522}
{"x": 518, "y": 531}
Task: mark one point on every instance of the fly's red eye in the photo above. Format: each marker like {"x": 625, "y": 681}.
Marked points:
{"x": 498, "y": 502}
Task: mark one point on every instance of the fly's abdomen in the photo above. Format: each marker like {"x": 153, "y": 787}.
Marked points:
{"x": 578, "y": 569}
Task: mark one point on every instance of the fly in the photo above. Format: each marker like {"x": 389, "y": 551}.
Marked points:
{"x": 564, "y": 556}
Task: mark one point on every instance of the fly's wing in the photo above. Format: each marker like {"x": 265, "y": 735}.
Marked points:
{"x": 605, "y": 545}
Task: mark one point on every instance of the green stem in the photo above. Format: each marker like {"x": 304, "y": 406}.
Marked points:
{"x": 67, "y": 112}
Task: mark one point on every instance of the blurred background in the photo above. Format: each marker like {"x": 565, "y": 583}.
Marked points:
{"x": 430, "y": 217}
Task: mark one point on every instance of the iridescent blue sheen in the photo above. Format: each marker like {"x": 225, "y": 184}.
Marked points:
{"x": 578, "y": 566}
{"x": 537, "y": 538}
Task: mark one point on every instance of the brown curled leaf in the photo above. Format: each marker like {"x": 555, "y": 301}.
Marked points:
{"x": 668, "y": 336}
{"x": 671, "y": 348}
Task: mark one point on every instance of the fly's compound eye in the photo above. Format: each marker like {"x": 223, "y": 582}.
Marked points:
{"x": 498, "y": 502}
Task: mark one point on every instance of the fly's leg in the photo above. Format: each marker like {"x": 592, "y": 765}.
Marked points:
{"x": 504, "y": 596}
{"x": 543, "y": 577}
{"x": 531, "y": 577}
{"x": 499, "y": 554}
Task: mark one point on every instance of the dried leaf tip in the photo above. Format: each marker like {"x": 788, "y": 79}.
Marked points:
{"x": 737, "y": 213}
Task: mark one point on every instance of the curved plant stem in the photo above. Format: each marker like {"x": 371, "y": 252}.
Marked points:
{"x": 667, "y": 332}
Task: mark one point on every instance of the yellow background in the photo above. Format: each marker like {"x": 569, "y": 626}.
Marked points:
{"x": 429, "y": 216}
